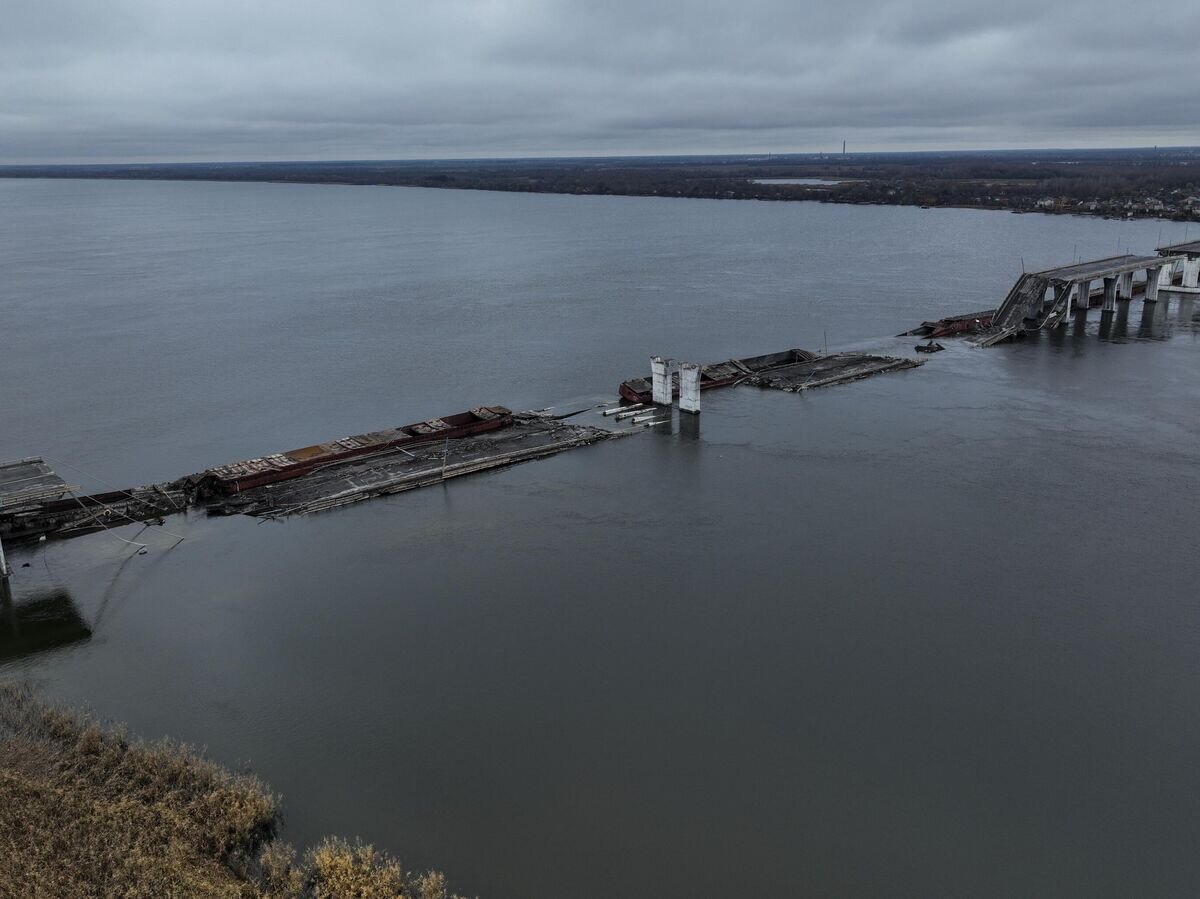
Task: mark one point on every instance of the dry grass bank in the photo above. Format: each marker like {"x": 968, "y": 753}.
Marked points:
{"x": 85, "y": 812}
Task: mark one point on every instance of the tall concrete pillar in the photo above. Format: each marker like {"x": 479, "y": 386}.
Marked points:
{"x": 660, "y": 380}
{"x": 5, "y": 572}
{"x": 1125, "y": 286}
{"x": 1110, "y": 294}
{"x": 1152, "y": 275}
{"x": 1165, "y": 274}
{"x": 1062, "y": 300}
{"x": 1084, "y": 296}
{"x": 689, "y": 387}
{"x": 1191, "y": 273}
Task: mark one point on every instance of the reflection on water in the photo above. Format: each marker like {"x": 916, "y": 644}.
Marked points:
{"x": 41, "y": 622}
{"x": 1156, "y": 321}
{"x": 1153, "y": 317}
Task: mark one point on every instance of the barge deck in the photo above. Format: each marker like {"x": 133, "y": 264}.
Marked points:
{"x": 837, "y": 368}
{"x": 397, "y": 470}
{"x": 718, "y": 374}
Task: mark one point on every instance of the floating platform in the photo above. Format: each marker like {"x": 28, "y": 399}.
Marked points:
{"x": 397, "y": 469}
{"x": 837, "y": 368}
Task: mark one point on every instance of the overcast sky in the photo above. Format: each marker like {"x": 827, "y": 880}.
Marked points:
{"x": 115, "y": 80}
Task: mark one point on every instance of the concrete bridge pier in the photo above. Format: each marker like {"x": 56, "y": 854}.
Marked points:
{"x": 689, "y": 387}
{"x": 660, "y": 380}
{"x": 1125, "y": 286}
{"x": 1083, "y": 296}
{"x": 1152, "y": 276}
{"x": 1191, "y": 273}
{"x": 1110, "y": 295}
{"x": 5, "y": 574}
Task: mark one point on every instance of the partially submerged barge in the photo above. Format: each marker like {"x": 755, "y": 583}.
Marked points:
{"x": 824, "y": 371}
{"x": 718, "y": 374}
{"x": 793, "y": 370}
{"x": 395, "y": 469}
{"x": 967, "y": 323}
{"x": 37, "y": 504}
{"x": 238, "y": 476}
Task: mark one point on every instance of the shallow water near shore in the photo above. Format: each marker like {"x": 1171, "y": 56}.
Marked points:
{"x": 931, "y": 633}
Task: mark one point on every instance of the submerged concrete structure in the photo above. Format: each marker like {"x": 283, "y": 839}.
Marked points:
{"x": 1043, "y": 299}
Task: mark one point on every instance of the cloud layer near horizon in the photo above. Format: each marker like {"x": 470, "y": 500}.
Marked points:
{"x": 222, "y": 80}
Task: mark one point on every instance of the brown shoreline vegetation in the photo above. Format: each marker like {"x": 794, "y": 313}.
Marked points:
{"x": 85, "y": 812}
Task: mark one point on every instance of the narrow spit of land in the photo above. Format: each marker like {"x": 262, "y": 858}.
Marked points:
{"x": 87, "y": 812}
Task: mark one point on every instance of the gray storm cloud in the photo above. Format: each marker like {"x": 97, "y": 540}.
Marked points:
{"x": 85, "y": 80}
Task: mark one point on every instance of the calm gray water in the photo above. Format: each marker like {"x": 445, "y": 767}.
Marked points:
{"x": 934, "y": 633}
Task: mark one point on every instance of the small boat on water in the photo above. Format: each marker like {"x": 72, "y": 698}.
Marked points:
{"x": 238, "y": 476}
{"x": 719, "y": 374}
{"x": 930, "y": 347}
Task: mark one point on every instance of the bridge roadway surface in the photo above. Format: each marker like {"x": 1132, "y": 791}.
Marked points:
{"x": 1189, "y": 248}
{"x": 1101, "y": 268}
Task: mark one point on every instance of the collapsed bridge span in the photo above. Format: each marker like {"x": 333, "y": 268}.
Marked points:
{"x": 1043, "y": 299}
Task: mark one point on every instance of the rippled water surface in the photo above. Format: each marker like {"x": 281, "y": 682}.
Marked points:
{"x": 933, "y": 633}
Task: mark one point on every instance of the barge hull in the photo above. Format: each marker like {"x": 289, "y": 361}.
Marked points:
{"x": 239, "y": 476}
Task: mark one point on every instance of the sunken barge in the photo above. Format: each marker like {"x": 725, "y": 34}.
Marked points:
{"x": 236, "y": 477}
{"x": 719, "y": 374}
{"x": 793, "y": 370}
{"x": 36, "y": 504}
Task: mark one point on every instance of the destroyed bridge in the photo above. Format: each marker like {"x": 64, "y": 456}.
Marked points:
{"x": 1044, "y": 299}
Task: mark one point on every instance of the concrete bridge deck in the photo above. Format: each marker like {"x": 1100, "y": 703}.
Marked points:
{"x": 1108, "y": 267}
{"x": 1190, "y": 248}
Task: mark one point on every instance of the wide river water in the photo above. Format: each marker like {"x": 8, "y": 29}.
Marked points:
{"x": 935, "y": 633}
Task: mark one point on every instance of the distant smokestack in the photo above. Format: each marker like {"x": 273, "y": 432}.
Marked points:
{"x": 843, "y": 148}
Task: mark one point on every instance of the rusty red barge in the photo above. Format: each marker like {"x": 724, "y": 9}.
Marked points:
{"x": 238, "y": 476}
{"x": 719, "y": 374}
{"x": 952, "y": 325}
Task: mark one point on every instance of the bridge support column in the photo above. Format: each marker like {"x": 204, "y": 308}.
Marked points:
{"x": 1152, "y": 276}
{"x": 1062, "y": 300}
{"x": 660, "y": 380}
{"x": 5, "y": 573}
{"x": 1110, "y": 295}
{"x": 689, "y": 387}
{"x": 1083, "y": 297}
{"x": 1125, "y": 286}
{"x": 1166, "y": 274}
{"x": 1191, "y": 273}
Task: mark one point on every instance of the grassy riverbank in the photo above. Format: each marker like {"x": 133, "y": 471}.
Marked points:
{"x": 87, "y": 812}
